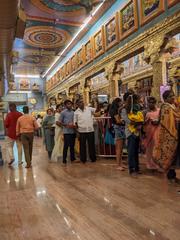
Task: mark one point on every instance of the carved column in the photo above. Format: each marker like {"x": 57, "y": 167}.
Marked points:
{"x": 157, "y": 79}
{"x": 86, "y": 95}
{"x": 113, "y": 74}
{"x": 157, "y": 52}
{"x": 113, "y": 80}
{"x": 152, "y": 53}
{"x": 174, "y": 74}
{"x": 117, "y": 77}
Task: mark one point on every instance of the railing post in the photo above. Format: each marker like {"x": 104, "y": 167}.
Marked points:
{"x": 1, "y": 159}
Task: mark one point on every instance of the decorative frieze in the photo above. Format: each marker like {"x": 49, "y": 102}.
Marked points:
{"x": 152, "y": 41}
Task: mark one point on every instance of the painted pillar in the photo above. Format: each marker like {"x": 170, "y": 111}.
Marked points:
{"x": 86, "y": 95}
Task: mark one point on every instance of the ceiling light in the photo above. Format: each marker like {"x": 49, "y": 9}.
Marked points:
{"x": 20, "y": 92}
{"x": 26, "y": 76}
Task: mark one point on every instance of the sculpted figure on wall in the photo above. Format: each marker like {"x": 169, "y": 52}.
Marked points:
{"x": 157, "y": 51}
{"x": 152, "y": 49}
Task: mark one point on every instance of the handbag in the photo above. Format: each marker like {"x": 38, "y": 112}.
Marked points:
{"x": 110, "y": 136}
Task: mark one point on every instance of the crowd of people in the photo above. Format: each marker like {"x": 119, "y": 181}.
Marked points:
{"x": 141, "y": 128}
{"x": 151, "y": 130}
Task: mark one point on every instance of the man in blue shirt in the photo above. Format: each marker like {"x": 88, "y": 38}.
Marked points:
{"x": 66, "y": 120}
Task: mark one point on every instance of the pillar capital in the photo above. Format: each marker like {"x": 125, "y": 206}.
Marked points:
{"x": 110, "y": 68}
{"x": 152, "y": 49}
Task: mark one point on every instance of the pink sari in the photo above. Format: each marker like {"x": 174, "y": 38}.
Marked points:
{"x": 152, "y": 132}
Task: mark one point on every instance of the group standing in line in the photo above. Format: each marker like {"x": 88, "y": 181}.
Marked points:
{"x": 153, "y": 129}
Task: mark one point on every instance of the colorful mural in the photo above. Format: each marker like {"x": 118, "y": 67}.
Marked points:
{"x": 46, "y": 37}
{"x": 88, "y": 51}
{"x": 116, "y": 28}
{"x": 61, "y": 8}
{"x": 150, "y": 9}
{"x": 99, "y": 42}
{"x": 112, "y": 32}
{"x": 128, "y": 18}
{"x": 134, "y": 64}
{"x": 50, "y": 26}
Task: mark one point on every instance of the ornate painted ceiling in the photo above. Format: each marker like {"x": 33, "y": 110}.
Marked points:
{"x": 50, "y": 25}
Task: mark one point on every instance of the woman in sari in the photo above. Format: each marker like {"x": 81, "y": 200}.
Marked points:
{"x": 49, "y": 131}
{"x": 58, "y": 138}
{"x": 151, "y": 128}
{"x": 165, "y": 151}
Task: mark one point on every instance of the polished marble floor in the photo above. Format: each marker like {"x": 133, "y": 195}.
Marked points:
{"x": 85, "y": 202}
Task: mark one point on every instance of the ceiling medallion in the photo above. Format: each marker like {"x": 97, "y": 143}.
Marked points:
{"x": 46, "y": 37}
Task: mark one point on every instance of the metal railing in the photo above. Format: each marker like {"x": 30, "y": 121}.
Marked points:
{"x": 104, "y": 137}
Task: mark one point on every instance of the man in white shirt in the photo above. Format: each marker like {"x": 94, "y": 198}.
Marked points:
{"x": 83, "y": 119}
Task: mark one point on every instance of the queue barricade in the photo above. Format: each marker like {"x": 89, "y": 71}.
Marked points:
{"x": 104, "y": 137}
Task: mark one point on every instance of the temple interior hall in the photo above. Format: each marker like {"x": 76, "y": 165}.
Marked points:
{"x": 89, "y": 120}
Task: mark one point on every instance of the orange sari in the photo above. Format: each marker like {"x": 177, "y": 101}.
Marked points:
{"x": 151, "y": 137}
{"x": 165, "y": 149}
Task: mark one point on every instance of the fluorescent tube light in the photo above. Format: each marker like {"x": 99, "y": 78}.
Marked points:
{"x": 75, "y": 36}
{"x": 26, "y": 76}
{"x": 14, "y": 91}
